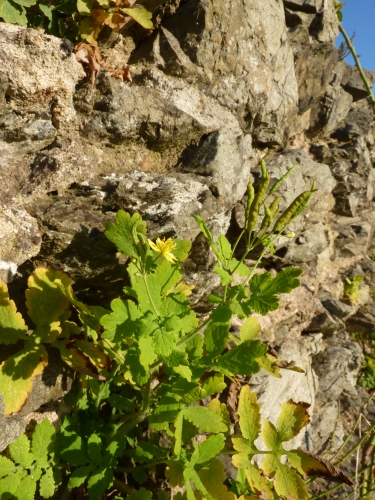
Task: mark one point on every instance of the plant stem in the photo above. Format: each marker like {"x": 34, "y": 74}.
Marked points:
{"x": 362, "y": 440}
{"x": 124, "y": 488}
{"x": 144, "y": 276}
{"x": 359, "y": 67}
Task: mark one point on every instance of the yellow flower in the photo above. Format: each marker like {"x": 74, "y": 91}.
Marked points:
{"x": 165, "y": 247}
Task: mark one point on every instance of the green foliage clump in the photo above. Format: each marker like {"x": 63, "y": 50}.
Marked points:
{"x": 149, "y": 375}
{"x": 74, "y": 19}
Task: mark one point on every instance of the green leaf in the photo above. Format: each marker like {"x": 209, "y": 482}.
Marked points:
{"x": 85, "y": 7}
{"x": 147, "y": 353}
{"x": 242, "y": 359}
{"x": 43, "y": 440}
{"x": 47, "y": 484}
{"x": 16, "y": 374}
{"x": 183, "y": 371}
{"x": 120, "y": 233}
{"x": 46, "y": 10}
{"x": 99, "y": 482}
{"x": 239, "y": 268}
{"x": 71, "y": 448}
{"x": 141, "y": 15}
{"x": 13, "y": 13}
{"x": 94, "y": 449}
{"x": 250, "y": 329}
{"x": 216, "y": 338}
{"x": 6, "y": 467}
{"x": 80, "y": 475}
{"x": 249, "y": 413}
{"x": 149, "y": 295}
{"x": 202, "y": 226}
{"x": 293, "y": 416}
{"x": 12, "y": 325}
{"x": 141, "y": 494}
{"x": 208, "y": 449}
{"x": 212, "y": 385}
{"x": 204, "y": 419}
{"x": 264, "y": 289}
{"x": 164, "y": 342}
{"x": 26, "y": 489}
{"x": 121, "y": 403}
{"x": 138, "y": 372}
{"x": 168, "y": 275}
{"x": 120, "y": 324}
{"x": 182, "y": 249}
{"x": 9, "y": 484}
{"x": 226, "y": 278}
{"x": 25, "y": 3}
{"x": 225, "y": 249}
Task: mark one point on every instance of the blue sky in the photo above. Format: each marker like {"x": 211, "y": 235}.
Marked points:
{"x": 359, "y": 17}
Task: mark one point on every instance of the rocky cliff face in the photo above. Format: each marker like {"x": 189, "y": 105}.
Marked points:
{"x": 216, "y": 86}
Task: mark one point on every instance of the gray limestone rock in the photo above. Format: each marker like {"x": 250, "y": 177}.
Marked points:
{"x": 208, "y": 43}
{"x": 337, "y": 369}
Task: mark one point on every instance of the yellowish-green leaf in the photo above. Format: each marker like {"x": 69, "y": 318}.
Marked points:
{"x": 97, "y": 357}
{"x": 104, "y": 3}
{"x": 76, "y": 360}
{"x": 213, "y": 477}
{"x": 271, "y": 437}
{"x": 241, "y": 460}
{"x": 84, "y": 7}
{"x": 141, "y": 15}
{"x": 289, "y": 484}
{"x": 208, "y": 449}
{"x": 250, "y": 329}
{"x": 249, "y": 412}
{"x": 267, "y": 362}
{"x": 221, "y": 410}
{"x": 12, "y": 325}
{"x": 16, "y": 374}
{"x": 26, "y": 489}
{"x": 243, "y": 445}
{"x": 259, "y": 484}
{"x": 45, "y": 301}
{"x": 9, "y": 484}
{"x": 270, "y": 465}
{"x": 293, "y": 416}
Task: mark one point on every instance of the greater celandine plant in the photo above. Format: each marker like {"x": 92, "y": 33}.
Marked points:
{"x": 149, "y": 375}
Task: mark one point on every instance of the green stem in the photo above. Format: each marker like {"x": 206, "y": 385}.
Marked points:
{"x": 124, "y": 488}
{"x": 149, "y": 464}
{"x": 144, "y": 276}
{"x": 362, "y": 440}
{"x": 359, "y": 67}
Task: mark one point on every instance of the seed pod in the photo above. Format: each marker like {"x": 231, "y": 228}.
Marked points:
{"x": 294, "y": 209}
{"x": 256, "y": 204}
{"x": 283, "y": 178}
{"x": 264, "y": 170}
{"x": 275, "y": 206}
{"x": 267, "y": 219}
{"x": 250, "y": 198}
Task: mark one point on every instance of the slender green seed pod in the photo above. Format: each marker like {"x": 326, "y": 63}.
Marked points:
{"x": 294, "y": 209}
{"x": 250, "y": 198}
{"x": 256, "y": 204}
{"x": 283, "y": 178}
{"x": 267, "y": 219}
{"x": 264, "y": 170}
{"x": 274, "y": 206}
